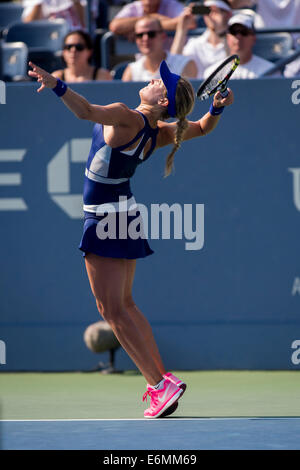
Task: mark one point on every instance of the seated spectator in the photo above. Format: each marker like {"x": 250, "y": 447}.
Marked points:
{"x": 248, "y": 5}
{"x": 272, "y": 13}
{"x": 208, "y": 48}
{"x": 240, "y": 40}
{"x": 167, "y": 11}
{"x": 77, "y": 55}
{"x": 72, "y": 11}
{"x": 278, "y": 13}
{"x": 150, "y": 39}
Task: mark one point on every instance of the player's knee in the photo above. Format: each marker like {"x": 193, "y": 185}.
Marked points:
{"x": 100, "y": 307}
{"x": 103, "y": 303}
{"x": 110, "y": 310}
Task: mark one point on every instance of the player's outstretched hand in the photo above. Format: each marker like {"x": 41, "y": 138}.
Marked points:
{"x": 46, "y": 79}
{"x": 220, "y": 101}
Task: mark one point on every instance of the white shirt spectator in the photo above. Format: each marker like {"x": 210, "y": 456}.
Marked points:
{"x": 52, "y": 9}
{"x": 252, "y": 69}
{"x": 203, "y": 52}
{"x": 139, "y": 74}
{"x": 277, "y": 13}
{"x": 170, "y": 8}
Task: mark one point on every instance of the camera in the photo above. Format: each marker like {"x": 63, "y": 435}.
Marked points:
{"x": 200, "y": 9}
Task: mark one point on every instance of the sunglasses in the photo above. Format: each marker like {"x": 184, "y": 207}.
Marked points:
{"x": 242, "y": 31}
{"x": 79, "y": 47}
{"x": 150, "y": 34}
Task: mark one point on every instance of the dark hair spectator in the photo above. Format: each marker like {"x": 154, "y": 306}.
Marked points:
{"x": 77, "y": 57}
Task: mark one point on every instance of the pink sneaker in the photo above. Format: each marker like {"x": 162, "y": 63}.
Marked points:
{"x": 175, "y": 380}
{"x": 161, "y": 399}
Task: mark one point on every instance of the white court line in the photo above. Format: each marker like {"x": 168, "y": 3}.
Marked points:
{"x": 145, "y": 419}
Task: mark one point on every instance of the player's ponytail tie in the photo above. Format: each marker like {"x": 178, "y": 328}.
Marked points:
{"x": 60, "y": 88}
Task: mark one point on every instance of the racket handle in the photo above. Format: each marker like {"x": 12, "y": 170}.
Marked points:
{"x": 224, "y": 93}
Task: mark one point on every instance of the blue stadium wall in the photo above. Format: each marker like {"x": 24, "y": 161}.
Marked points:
{"x": 233, "y": 304}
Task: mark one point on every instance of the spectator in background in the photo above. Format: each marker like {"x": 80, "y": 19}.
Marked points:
{"x": 277, "y": 13}
{"x": 167, "y": 11}
{"x": 72, "y": 11}
{"x": 77, "y": 55}
{"x": 240, "y": 40}
{"x": 272, "y": 13}
{"x": 237, "y": 4}
{"x": 208, "y": 48}
{"x": 150, "y": 39}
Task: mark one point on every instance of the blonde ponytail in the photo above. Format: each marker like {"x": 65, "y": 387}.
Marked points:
{"x": 181, "y": 126}
{"x": 185, "y": 99}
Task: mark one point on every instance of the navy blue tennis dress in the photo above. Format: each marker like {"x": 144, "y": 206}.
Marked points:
{"x": 107, "y": 189}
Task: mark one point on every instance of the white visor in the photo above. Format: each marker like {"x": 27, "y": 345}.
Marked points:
{"x": 242, "y": 18}
{"x": 217, "y": 3}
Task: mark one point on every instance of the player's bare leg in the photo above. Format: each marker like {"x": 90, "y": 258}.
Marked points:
{"x": 107, "y": 278}
{"x": 139, "y": 319}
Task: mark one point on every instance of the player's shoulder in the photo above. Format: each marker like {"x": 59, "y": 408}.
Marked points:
{"x": 122, "y": 111}
{"x": 119, "y": 105}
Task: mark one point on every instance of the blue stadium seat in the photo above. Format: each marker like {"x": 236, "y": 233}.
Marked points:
{"x": 42, "y": 34}
{"x": 118, "y": 70}
{"x": 116, "y": 49}
{"x": 48, "y": 60}
{"x": 10, "y": 13}
{"x": 14, "y": 61}
{"x": 273, "y": 46}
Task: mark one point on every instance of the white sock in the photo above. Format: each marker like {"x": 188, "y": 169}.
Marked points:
{"x": 159, "y": 385}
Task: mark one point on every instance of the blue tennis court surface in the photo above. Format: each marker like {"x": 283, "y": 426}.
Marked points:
{"x": 169, "y": 433}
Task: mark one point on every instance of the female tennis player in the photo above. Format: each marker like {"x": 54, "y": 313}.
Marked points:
{"x": 122, "y": 139}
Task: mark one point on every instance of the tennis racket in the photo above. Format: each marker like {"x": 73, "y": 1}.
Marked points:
{"x": 217, "y": 81}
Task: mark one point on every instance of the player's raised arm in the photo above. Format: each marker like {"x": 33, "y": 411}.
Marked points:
{"x": 113, "y": 114}
{"x": 210, "y": 120}
{"x": 199, "y": 128}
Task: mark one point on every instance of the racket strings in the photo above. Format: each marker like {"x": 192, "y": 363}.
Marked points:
{"x": 218, "y": 78}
